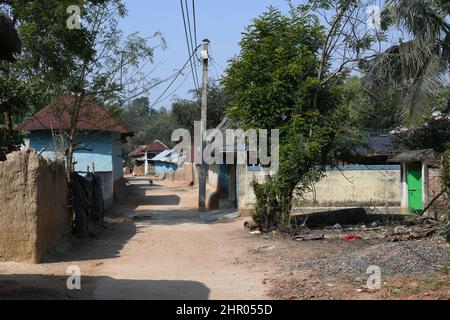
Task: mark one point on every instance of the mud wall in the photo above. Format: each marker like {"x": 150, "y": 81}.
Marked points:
{"x": 440, "y": 206}
{"x": 33, "y": 213}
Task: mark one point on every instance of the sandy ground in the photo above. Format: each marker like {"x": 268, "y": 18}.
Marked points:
{"x": 155, "y": 247}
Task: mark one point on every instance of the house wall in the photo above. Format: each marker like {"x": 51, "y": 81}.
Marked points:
{"x": 162, "y": 168}
{"x": 102, "y": 150}
{"x": 355, "y": 186}
{"x": 97, "y": 149}
{"x": 33, "y": 213}
{"x": 117, "y": 156}
{"x": 440, "y": 206}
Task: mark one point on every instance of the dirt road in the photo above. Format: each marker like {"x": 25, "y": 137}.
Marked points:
{"x": 158, "y": 247}
{"x": 155, "y": 247}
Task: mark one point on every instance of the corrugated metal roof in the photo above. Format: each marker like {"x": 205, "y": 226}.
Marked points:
{"x": 378, "y": 145}
{"x": 58, "y": 115}
{"x": 167, "y": 156}
{"x": 415, "y": 155}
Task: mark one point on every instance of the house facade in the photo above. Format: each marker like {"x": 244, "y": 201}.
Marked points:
{"x": 143, "y": 155}
{"x": 99, "y": 141}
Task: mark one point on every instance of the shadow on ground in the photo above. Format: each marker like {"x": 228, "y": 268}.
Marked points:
{"x": 42, "y": 287}
{"x": 107, "y": 244}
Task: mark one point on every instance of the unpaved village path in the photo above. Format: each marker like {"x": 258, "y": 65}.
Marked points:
{"x": 155, "y": 247}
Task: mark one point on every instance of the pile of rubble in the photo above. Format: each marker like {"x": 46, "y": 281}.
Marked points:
{"x": 400, "y": 258}
{"x": 409, "y": 229}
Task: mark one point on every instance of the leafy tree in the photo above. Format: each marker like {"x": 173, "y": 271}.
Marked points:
{"x": 148, "y": 125}
{"x": 433, "y": 134}
{"x": 422, "y": 62}
{"x": 186, "y": 112}
{"x": 374, "y": 113}
{"x": 96, "y": 60}
{"x": 273, "y": 84}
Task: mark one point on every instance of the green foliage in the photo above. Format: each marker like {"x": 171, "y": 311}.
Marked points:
{"x": 186, "y": 112}
{"x": 97, "y": 60}
{"x": 149, "y": 124}
{"x": 374, "y": 113}
{"x": 434, "y": 134}
{"x": 273, "y": 85}
{"x": 9, "y": 141}
{"x": 421, "y": 63}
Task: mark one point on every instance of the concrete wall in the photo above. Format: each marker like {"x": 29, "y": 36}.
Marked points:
{"x": 356, "y": 188}
{"x": 353, "y": 187}
{"x": 33, "y": 197}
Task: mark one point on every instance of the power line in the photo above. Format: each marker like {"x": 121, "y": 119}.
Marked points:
{"x": 195, "y": 22}
{"x": 176, "y": 77}
{"x": 191, "y": 38}
{"x": 177, "y": 88}
{"x": 189, "y": 45}
{"x": 214, "y": 63}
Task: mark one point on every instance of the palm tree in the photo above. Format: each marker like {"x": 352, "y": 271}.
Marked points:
{"x": 10, "y": 43}
{"x": 421, "y": 64}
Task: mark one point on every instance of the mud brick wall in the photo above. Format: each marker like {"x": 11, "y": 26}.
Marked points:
{"x": 440, "y": 207}
{"x": 33, "y": 213}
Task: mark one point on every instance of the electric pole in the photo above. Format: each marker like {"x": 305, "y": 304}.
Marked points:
{"x": 203, "y": 168}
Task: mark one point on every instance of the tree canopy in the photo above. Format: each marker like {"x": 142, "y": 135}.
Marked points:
{"x": 273, "y": 84}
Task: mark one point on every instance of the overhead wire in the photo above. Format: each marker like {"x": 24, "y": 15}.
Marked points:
{"x": 188, "y": 15}
{"x": 176, "y": 77}
{"x": 189, "y": 45}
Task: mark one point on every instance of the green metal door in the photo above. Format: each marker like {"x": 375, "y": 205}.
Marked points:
{"x": 415, "y": 201}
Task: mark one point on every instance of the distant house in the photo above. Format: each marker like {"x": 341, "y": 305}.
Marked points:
{"x": 165, "y": 162}
{"x": 144, "y": 155}
{"x": 99, "y": 140}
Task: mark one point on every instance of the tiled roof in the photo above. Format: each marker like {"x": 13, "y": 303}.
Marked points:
{"x": 155, "y": 147}
{"x": 57, "y": 116}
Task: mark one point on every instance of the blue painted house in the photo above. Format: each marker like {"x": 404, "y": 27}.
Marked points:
{"x": 165, "y": 162}
{"x": 99, "y": 140}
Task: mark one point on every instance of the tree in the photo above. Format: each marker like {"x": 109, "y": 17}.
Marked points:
{"x": 95, "y": 60}
{"x": 186, "y": 112}
{"x": 10, "y": 47}
{"x": 10, "y": 43}
{"x": 273, "y": 84}
{"x": 148, "y": 124}
{"x": 421, "y": 62}
{"x": 374, "y": 113}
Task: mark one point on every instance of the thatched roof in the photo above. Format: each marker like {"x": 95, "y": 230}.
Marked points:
{"x": 10, "y": 43}
{"x": 415, "y": 156}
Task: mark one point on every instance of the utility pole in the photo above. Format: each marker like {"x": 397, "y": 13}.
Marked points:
{"x": 203, "y": 167}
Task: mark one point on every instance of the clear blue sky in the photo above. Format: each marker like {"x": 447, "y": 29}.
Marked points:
{"x": 221, "y": 21}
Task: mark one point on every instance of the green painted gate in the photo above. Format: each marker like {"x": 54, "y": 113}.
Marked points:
{"x": 414, "y": 176}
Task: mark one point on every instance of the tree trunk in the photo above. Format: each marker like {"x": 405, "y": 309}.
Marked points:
{"x": 8, "y": 121}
